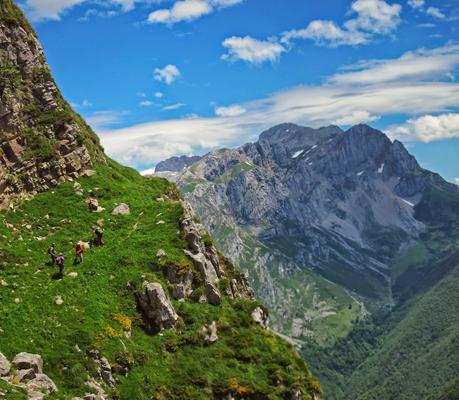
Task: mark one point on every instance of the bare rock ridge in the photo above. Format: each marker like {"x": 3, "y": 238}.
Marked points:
{"x": 338, "y": 204}
{"x": 176, "y": 164}
{"x": 42, "y": 141}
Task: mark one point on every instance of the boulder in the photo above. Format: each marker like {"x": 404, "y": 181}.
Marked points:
{"x": 42, "y": 383}
{"x": 5, "y": 365}
{"x": 212, "y": 294}
{"x": 158, "y": 312}
{"x": 260, "y": 317}
{"x": 121, "y": 209}
{"x": 210, "y": 332}
{"x": 28, "y": 361}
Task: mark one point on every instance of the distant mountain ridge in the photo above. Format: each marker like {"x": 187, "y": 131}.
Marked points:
{"x": 353, "y": 246}
{"x": 340, "y": 205}
{"x": 176, "y": 164}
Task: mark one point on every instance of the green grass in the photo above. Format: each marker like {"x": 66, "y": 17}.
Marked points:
{"x": 11, "y": 393}
{"x": 176, "y": 364}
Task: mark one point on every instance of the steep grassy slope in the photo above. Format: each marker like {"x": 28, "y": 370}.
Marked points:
{"x": 99, "y": 305}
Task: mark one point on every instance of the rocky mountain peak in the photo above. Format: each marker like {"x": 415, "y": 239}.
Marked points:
{"x": 177, "y": 163}
{"x": 43, "y": 142}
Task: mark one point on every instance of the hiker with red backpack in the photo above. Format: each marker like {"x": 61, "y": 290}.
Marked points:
{"x": 79, "y": 249}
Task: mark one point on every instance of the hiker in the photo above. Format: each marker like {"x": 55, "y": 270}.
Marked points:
{"x": 52, "y": 253}
{"x": 79, "y": 253}
{"x": 60, "y": 263}
{"x": 99, "y": 241}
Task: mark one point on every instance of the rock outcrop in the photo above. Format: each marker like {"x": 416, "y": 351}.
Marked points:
{"x": 27, "y": 374}
{"x": 42, "y": 141}
{"x": 156, "y": 308}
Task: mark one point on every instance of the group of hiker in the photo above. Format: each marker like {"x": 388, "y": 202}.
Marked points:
{"x": 58, "y": 259}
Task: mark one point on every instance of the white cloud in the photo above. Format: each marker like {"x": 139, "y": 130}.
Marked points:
{"x": 39, "y": 10}
{"x": 413, "y": 65}
{"x": 185, "y": 10}
{"x": 373, "y": 17}
{"x": 318, "y": 105}
{"x": 147, "y": 103}
{"x": 173, "y": 107}
{"x": 251, "y": 50}
{"x": 356, "y": 117}
{"x": 435, "y": 12}
{"x": 326, "y": 33}
{"x": 416, "y": 3}
{"x": 159, "y": 95}
{"x": 231, "y": 111}
{"x": 86, "y": 103}
{"x": 188, "y": 10}
{"x": 226, "y": 3}
{"x": 376, "y": 16}
{"x": 427, "y": 128}
{"x": 168, "y": 74}
{"x": 149, "y": 171}
{"x": 141, "y": 94}
{"x": 456, "y": 181}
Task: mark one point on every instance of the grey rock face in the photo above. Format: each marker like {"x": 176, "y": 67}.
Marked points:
{"x": 176, "y": 164}
{"x": 158, "y": 311}
{"x": 35, "y": 154}
{"x": 339, "y": 204}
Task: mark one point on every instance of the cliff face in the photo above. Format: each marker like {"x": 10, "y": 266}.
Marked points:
{"x": 42, "y": 141}
{"x": 307, "y": 204}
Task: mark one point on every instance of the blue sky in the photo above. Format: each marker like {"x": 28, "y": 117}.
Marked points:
{"x": 158, "y": 78}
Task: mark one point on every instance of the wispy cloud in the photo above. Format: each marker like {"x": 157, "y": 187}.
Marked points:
{"x": 435, "y": 12}
{"x": 147, "y": 103}
{"x": 39, "y": 10}
{"x": 414, "y": 65}
{"x": 173, "y": 107}
{"x": 230, "y": 111}
{"x": 188, "y": 10}
{"x": 101, "y": 121}
{"x": 251, "y": 50}
{"x": 168, "y": 74}
{"x": 337, "y": 100}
